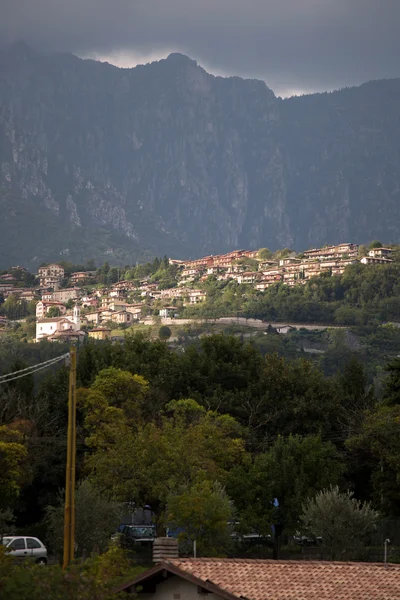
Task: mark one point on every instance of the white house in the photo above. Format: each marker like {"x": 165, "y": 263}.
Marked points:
{"x": 196, "y": 296}
{"x": 380, "y": 252}
{"x": 48, "y": 327}
{"x": 375, "y": 260}
{"x": 168, "y": 311}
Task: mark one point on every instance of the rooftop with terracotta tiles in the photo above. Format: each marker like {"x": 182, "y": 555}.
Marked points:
{"x": 288, "y": 580}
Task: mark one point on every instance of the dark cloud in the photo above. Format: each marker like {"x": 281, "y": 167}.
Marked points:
{"x": 292, "y": 44}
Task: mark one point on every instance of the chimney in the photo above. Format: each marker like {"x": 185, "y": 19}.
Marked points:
{"x": 165, "y": 548}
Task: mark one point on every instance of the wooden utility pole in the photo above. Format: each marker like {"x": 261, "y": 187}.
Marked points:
{"x": 69, "y": 508}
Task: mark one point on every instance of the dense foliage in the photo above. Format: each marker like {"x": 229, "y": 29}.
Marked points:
{"x": 219, "y": 427}
{"x": 96, "y": 579}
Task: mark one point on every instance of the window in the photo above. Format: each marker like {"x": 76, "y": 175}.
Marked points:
{"x": 31, "y": 543}
{"x": 18, "y": 544}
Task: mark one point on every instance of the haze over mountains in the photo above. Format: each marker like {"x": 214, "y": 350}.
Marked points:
{"x": 121, "y": 164}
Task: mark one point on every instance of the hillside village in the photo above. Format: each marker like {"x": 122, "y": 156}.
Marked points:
{"x": 70, "y": 307}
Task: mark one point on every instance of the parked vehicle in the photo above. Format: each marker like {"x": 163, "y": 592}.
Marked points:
{"x": 134, "y": 536}
{"x": 22, "y": 547}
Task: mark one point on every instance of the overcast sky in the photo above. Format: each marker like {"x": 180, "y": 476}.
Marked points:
{"x": 294, "y": 45}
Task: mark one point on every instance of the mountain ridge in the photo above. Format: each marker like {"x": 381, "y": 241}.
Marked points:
{"x": 167, "y": 158}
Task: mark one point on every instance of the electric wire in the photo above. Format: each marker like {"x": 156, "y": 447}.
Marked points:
{"x": 31, "y": 370}
{"x": 51, "y": 360}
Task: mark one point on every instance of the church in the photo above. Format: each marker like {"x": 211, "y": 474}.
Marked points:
{"x": 65, "y": 329}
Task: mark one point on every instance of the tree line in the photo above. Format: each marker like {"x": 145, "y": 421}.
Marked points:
{"x": 219, "y": 433}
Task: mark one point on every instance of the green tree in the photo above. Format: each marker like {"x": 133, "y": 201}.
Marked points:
{"x": 293, "y": 469}
{"x": 164, "y": 333}
{"x": 7, "y": 523}
{"x": 149, "y": 464}
{"x": 344, "y": 523}
{"x": 97, "y": 518}
{"x": 14, "y": 308}
{"x": 375, "y": 244}
{"x": 203, "y": 510}
{"x": 287, "y": 397}
{"x": 356, "y": 397}
{"x": 264, "y": 254}
{"x": 96, "y": 579}
{"x": 347, "y": 315}
{"x": 112, "y": 407}
{"x": 122, "y": 390}
{"x": 70, "y": 303}
{"x": 12, "y": 465}
{"x": 377, "y": 448}
{"x": 392, "y": 383}
{"x": 53, "y": 311}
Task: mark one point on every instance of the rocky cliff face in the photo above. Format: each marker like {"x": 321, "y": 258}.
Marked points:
{"x": 97, "y": 161}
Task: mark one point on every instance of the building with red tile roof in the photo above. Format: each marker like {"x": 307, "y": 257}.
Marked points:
{"x": 244, "y": 579}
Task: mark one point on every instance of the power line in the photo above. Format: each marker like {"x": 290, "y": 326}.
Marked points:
{"x": 51, "y": 360}
{"x": 32, "y": 369}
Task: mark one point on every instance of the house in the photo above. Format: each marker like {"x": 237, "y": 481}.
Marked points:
{"x": 121, "y": 316}
{"x": 80, "y": 277}
{"x": 15, "y": 291}
{"x": 284, "y": 329}
{"x": 167, "y": 312}
{"x": 52, "y": 283}
{"x": 268, "y": 280}
{"x": 290, "y": 260}
{"x": 50, "y": 275}
{"x": 329, "y": 252}
{"x": 266, "y": 264}
{"x": 213, "y": 270}
{"x": 42, "y": 308}
{"x": 89, "y": 302}
{"x": 47, "y": 296}
{"x": 375, "y": 260}
{"x": 172, "y": 293}
{"x": 135, "y": 310}
{"x": 190, "y": 274}
{"x": 8, "y": 277}
{"x": 250, "y": 253}
{"x": 94, "y": 317}
{"x": 380, "y": 252}
{"x": 114, "y": 304}
{"x": 100, "y": 333}
{"x": 46, "y": 328}
{"x": 106, "y": 314}
{"x": 68, "y": 336}
{"x": 246, "y": 579}
{"x": 28, "y": 295}
{"x": 117, "y": 293}
{"x": 248, "y": 277}
{"x": 196, "y": 296}
{"x": 65, "y": 294}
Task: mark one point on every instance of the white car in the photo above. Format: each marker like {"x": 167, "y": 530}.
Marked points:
{"x": 21, "y": 547}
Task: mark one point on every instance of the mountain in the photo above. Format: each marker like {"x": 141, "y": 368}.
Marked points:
{"x": 121, "y": 164}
